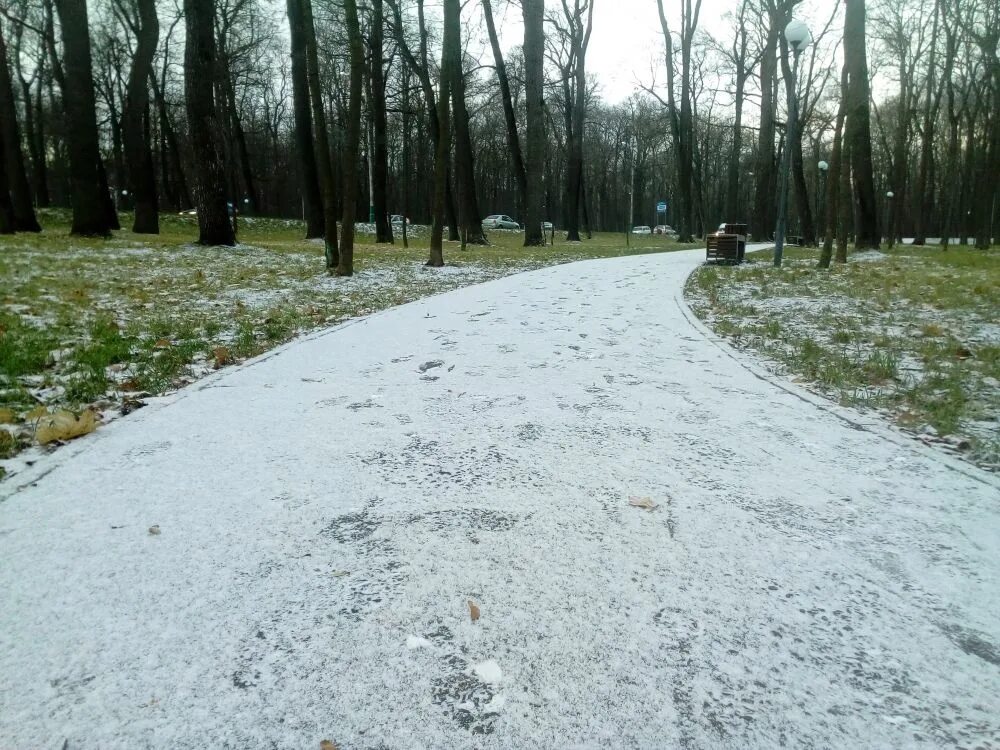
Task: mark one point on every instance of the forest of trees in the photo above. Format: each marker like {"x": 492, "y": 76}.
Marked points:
{"x": 322, "y": 108}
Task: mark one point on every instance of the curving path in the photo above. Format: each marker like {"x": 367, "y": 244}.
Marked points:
{"x": 808, "y": 579}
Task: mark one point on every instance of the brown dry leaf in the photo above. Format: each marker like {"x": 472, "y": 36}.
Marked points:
{"x": 641, "y": 502}
{"x": 222, "y": 356}
{"x": 162, "y": 344}
{"x": 154, "y": 530}
{"x": 64, "y": 425}
{"x": 7, "y": 416}
{"x": 37, "y": 413}
{"x": 327, "y": 745}
{"x": 473, "y": 610}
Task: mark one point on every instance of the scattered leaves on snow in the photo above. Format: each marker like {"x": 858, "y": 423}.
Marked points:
{"x": 64, "y": 425}
{"x": 641, "y": 502}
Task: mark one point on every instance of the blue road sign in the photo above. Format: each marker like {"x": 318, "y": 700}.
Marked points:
{"x": 661, "y": 206}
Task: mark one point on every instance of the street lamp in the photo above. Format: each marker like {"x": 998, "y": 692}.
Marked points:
{"x": 888, "y": 212}
{"x": 798, "y": 37}
{"x": 823, "y": 168}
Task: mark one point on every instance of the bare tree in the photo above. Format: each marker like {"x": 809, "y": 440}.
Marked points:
{"x": 533, "y": 12}
{"x": 858, "y": 131}
{"x": 200, "y": 71}
{"x": 352, "y": 150}
{"x": 90, "y": 193}
{"x": 145, "y": 26}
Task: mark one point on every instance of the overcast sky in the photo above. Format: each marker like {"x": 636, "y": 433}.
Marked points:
{"x": 627, "y": 40}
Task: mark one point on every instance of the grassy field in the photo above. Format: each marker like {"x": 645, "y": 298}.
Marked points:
{"x": 102, "y": 324}
{"x": 913, "y": 332}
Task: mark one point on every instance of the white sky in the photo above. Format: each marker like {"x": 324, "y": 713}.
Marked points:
{"x": 627, "y": 41}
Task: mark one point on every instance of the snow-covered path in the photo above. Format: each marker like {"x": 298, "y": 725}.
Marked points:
{"x": 808, "y": 579}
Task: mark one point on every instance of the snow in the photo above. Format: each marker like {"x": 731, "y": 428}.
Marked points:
{"x": 488, "y": 671}
{"x": 810, "y": 577}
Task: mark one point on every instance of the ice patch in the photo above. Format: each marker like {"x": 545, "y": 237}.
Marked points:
{"x": 414, "y": 642}
{"x": 488, "y": 671}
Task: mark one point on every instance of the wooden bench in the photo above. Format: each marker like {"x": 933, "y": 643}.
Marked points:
{"x": 728, "y": 245}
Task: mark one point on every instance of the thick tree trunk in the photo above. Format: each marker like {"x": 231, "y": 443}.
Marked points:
{"x": 142, "y": 177}
{"x": 10, "y": 136}
{"x": 764, "y": 217}
{"x": 323, "y": 152}
{"x": 352, "y": 151}
{"x": 6, "y": 207}
{"x": 470, "y": 220}
{"x": 90, "y": 216}
{"x": 533, "y": 12}
{"x": 200, "y": 72}
{"x": 858, "y": 132}
{"x": 450, "y": 41}
{"x": 312, "y": 202}
{"x": 380, "y": 151}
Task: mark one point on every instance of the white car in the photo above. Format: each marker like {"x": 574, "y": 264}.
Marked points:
{"x": 398, "y": 219}
{"x": 641, "y": 230}
{"x": 500, "y": 221}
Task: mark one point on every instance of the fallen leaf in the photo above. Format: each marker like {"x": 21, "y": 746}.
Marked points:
{"x": 154, "y": 530}
{"x": 340, "y": 573}
{"x": 222, "y": 356}
{"x": 327, "y": 745}
{"x": 963, "y": 352}
{"x": 7, "y": 416}
{"x": 162, "y": 344}
{"x": 36, "y": 413}
{"x": 64, "y": 425}
{"x": 473, "y": 610}
{"x": 641, "y": 502}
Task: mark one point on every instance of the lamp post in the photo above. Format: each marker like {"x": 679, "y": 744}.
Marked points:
{"x": 797, "y": 35}
{"x": 889, "y": 234}
{"x": 823, "y": 168}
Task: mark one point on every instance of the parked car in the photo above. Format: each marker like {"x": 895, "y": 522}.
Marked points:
{"x": 663, "y": 229}
{"x": 641, "y": 230}
{"x": 500, "y": 221}
{"x": 398, "y": 219}
{"x": 546, "y": 226}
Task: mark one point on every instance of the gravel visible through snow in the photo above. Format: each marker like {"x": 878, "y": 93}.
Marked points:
{"x": 325, "y": 515}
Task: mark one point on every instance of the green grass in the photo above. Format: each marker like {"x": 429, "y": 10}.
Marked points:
{"x": 914, "y": 333}
{"x": 90, "y": 321}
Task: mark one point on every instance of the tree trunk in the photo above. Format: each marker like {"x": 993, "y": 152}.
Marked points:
{"x": 766, "y": 171}
{"x": 733, "y": 178}
{"x": 10, "y": 136}
{"x": 528, "y": 9}
{"x": 312, "y": 203}
{"x": 932, "y": 101}
{"x": 380, "y": 151}
{"x": 858, "y": 133}
{"x": 171, "y": 155}
{"x": 533, "y": 12}
{"x": 352, "y": 151}
{"x": 325, "y": 166}
{"x": 470, "y": 220}
{"x": 6, "y": 207}
{"x": 837, "y": 167}
{"x": 90, "y": 217}
{"x": 200, "y": 71}
{"x": 142, "y": 177}
{"x": 452, "y": 13}
{"x": 806, "y": 228}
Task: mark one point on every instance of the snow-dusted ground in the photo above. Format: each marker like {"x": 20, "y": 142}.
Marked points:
{"x": 325, "y": 514}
